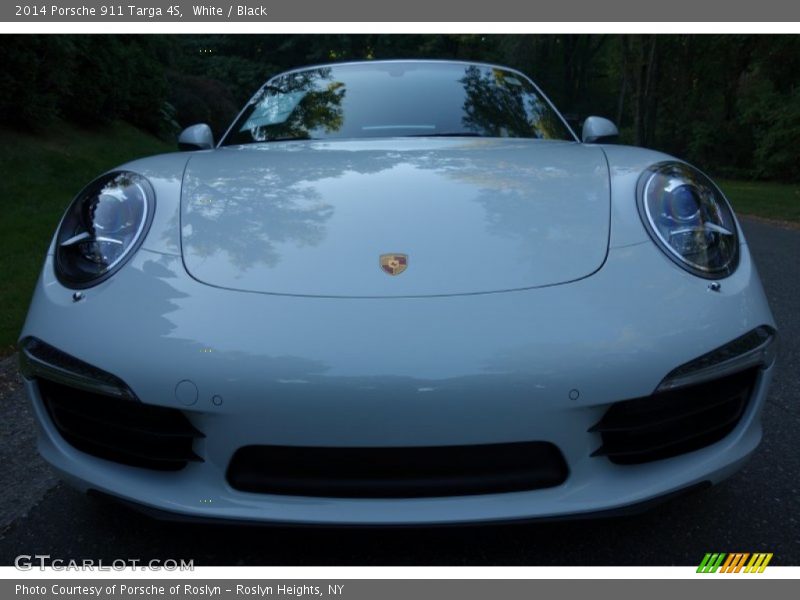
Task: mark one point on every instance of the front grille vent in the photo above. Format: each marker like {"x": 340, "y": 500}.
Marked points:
{"x": 119, "y": 430}
{"x": 401, "y": 472}
{"x": 671, "y": 423}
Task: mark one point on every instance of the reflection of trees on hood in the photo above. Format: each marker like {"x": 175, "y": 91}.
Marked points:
{"x": 266, "y": 206}
{"x": 498, "y": 105}
{"x": 265, "y": 200}
{"x": 319, "y": 109}
{"x": 262, "y": 218}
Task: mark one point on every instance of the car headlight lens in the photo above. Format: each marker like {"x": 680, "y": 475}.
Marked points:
{"x": 102, "y": 228}
{"x": 690, "y": 219}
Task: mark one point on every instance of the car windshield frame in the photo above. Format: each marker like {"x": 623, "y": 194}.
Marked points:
{"x": 247, "y": 119}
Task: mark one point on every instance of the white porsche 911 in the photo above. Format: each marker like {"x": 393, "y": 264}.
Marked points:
{"x": 398, "y": 292}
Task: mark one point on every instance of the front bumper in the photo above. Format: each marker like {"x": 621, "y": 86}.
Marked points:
{"x": 595, "y": 487}
{"x": 539, "y": 364}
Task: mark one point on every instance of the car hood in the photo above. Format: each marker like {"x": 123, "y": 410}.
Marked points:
{"x": 470, "y": 215}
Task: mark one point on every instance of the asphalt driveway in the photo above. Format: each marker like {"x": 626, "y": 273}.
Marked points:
{"x": 757, "y": 510}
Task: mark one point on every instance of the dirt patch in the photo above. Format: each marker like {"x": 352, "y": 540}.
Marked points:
{"x": 10, "y": 379}
{"x": 25, "y": 477}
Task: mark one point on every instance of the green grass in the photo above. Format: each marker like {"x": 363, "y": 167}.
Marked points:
{"x": 39, "y": 175}
{"x": 778, "y": 201}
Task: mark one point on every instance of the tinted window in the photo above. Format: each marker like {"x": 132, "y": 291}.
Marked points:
{"x": 397, "y": 99}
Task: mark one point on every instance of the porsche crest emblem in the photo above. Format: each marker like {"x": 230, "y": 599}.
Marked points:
{"x": 394, "y": 264}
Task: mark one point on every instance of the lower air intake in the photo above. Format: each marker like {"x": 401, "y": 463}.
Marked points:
{"x": 119, "y": 430}
{"x": 405, "y": 472}
{"x": 671, "y": 423}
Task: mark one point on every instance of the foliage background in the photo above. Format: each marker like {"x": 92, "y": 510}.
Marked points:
{"x": 728, "y": 103}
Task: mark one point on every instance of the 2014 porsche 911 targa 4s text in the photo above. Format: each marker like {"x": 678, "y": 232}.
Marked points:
{"x": 398, "y": 292}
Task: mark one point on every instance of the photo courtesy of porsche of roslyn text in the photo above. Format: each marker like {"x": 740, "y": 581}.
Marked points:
{"x": 501, "y": 288}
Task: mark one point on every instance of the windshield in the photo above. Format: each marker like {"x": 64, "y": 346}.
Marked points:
{"x": 369, "y": 100}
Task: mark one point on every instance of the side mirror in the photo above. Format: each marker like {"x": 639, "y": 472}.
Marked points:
{"x": 196, "y": 137}
{"x": 598, "y": 129}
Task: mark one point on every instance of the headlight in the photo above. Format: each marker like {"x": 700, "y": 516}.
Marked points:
{"x": 102, "y": 228}
{"x": 690, "y": 219}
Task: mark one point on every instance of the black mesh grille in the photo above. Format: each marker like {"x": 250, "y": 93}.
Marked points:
{"x": 674, "y": 422}
{"x": 123, "y": 431}
{"x": 404, "y": 472}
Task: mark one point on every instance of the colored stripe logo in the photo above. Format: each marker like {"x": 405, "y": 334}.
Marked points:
{"x": 735, "y": 562}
